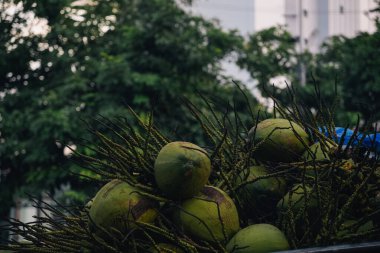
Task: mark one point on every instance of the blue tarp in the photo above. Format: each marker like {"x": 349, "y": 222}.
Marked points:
{"x": 370, "y": 140}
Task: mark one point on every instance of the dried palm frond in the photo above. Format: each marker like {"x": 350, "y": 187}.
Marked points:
{"x": 345, "y": 187}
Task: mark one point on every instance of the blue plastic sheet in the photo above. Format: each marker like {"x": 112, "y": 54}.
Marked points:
{"x": 370, "y": 140}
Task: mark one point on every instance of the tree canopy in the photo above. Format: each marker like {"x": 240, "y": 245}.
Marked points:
{"x": 353, "y": 64}
{"x": 68, "y": 61}
{"x": 345, "y": 71}
{"x": 269, "y": 53}
{"x": 95, "y": 58}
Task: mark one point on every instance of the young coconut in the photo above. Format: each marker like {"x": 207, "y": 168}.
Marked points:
{"x": 351, "y": 227}
{"x": 298, "y": 204}
{"x": 261, "y": 195}
{"x": 318, "y": 152}
{"x": 181, "y": 169}
{"x": 118, "y": 205}
{"x": 278, "y": 140}
{"x": 295, "y": 199}
{"x": 374, "y": 203}
{"x": 85, "y": 210}
{"x": 210, "y": 216}
{"x": 258, "y": 238}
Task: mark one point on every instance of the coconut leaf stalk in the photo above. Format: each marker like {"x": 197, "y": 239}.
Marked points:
{"x": 344, "y": 187}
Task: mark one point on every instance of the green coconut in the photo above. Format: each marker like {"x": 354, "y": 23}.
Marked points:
{"x": 181, "y": 169}
{"x": 85, "y": 210}
{"x": 318, "y": 152}
{"x": 374, "y": 203}
{"x": 348, "y": 228}
{"x": 261, "y": 195}
{"x": 118, "y": 205}
{"x": 295, "y": 199}
{"x": 276, "y": 140}
{"x": 210, "y": 216}
{"x": 89, "y": 204}
{"x": 166, "y": 248}
{"x": 258, "y": 238}
{"x": 293, "y": 207}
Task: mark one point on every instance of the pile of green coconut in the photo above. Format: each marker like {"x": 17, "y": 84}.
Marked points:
{"x": 279, "y": 185}
{"x": 260, "y": 199}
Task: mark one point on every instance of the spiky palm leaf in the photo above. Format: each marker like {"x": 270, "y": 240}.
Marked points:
{"x": 342, "y": 187}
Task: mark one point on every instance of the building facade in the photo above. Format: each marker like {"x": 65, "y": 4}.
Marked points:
{"x": 237, "y": 15}
{"x": 313, "y": 21}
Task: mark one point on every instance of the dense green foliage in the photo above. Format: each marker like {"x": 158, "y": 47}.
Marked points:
{"x": 353, "y": 64}
{"x": 95, "y": 59}
{"x": 345, "y": 70}
{"x": 323, "y": 203}
{"x": 269, "y": 53}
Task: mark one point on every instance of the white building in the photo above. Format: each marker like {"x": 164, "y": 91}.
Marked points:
{"x": 230, "y": 14}
{"x": 246, "y": 16}
{"x": 313, "y": 21}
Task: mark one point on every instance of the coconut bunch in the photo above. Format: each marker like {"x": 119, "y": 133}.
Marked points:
{"x": 270, "y": 183}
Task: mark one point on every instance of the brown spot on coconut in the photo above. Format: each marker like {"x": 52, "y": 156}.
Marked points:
{"x": 210, "y": 216}
{"x": 278, "y": 140}
{"x": 181, "y": 169}
{"x": 117, "y": 205}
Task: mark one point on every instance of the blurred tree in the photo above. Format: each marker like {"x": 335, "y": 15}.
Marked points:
{"x": 16, "y": 52}
{"x": 353, "y": 63}
{"x": 268, "y": 54}
{"x": 91, "y": 58}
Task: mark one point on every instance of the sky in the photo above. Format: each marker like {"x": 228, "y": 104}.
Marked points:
{"x": 268, "y": 13}
{"x": 247, "y": 16}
